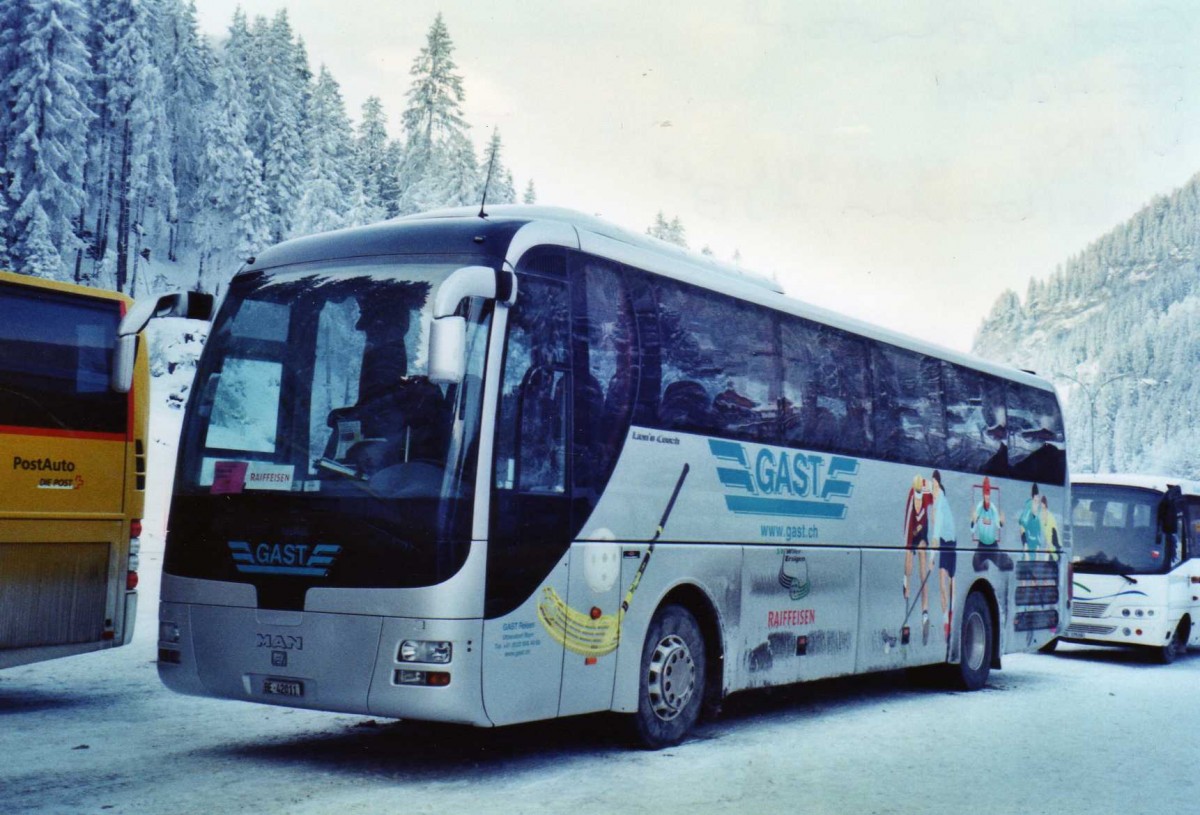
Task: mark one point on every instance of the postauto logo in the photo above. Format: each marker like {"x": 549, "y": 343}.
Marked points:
{"x": 784, "y": 482}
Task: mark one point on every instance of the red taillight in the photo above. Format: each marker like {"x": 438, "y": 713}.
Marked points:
{"x": 438, "y": 678}
{"x": 131, "y": 581}
{"x": 135, "y": 528}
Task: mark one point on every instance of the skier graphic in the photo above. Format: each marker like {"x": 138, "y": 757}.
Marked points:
{"x": 916, "y": 539}
{"x": 1031, "y": 524}
{"x": 987, "y": 523}
{"x": 944, "y": 536}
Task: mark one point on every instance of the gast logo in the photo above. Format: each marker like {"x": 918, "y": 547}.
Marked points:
{"x": 784, "y": 482}
{"x": 298, "y": 559}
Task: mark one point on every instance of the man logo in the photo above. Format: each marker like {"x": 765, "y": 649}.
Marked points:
{"x": 793, "y": 575}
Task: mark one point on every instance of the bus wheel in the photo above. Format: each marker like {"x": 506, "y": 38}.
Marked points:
{"x": 671, "y": 684}
{"x": 1173, "y": 649}
{"x": 975, "y": 644}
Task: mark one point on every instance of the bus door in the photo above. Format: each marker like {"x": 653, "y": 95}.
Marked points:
{"x": 526, "y": 595}
{"x": 1190, "y": 556}
{"x": 605, "y": 367}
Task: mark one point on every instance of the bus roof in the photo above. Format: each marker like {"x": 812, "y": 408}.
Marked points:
{"x": 460, "y": 230}
{"x": 68, "y": 288}
{"x": 1158, "y": 483}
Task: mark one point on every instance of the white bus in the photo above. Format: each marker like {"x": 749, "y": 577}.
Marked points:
{"x": 1136, "y": 568}
{"x": 495, "y": 470}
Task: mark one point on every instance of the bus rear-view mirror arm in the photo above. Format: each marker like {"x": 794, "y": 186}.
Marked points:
{"x": 189, "y": 305}
{"x": 448, "y": 334}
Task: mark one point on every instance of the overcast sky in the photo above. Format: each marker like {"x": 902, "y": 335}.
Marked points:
{"x": 901, "y": 162}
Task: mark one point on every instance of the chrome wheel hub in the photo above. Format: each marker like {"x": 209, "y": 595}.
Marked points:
{"x": 672, "y": 678}
{"x": 973, "y": 644}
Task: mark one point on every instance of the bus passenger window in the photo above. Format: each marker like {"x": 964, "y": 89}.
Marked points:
{"x": 606, "y": 366}
{"x": 909, "y": 420}
{"x": 720, "y": 365}
{"x": 976, "y": 421}
{"x": 531, "y": 421}
{"x": 826, "y": 401}
{"x": 1035, "y": 435}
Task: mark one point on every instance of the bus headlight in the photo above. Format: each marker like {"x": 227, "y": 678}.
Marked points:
{"x": 437, "y": 652}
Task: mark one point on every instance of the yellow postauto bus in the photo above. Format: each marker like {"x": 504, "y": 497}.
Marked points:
{"x": 72, "y": 471}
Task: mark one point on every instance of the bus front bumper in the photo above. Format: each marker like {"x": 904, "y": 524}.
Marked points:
{"x": 322, "y": 661}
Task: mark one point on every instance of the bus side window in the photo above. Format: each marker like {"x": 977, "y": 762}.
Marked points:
{"x": 976, "y": 421}
{"x": 909, "y": 418}
{"x": 1036, "y": 445}
{"x": 720, "y": 365}
{"x": 826, "y": 402}
{"x": 605, "y": 353}
{"x": 530, "y": 511}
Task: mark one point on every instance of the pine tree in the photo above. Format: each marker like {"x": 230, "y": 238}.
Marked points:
{"x": 187, "y": 79}
{"x": 329, "y": 191}
{"x": 434, "y": 128}
{"x": 47, "y": 125}
{"x": 278, "y": 99}
{"x": 373, "y": 157}
{"x": 500, "y": 187}
{"x": 530, "y": 196}
{"x": 670, "y": 231}
{"x": 235, "y": 212}
{"x": 138, "y": 160}
{"x": 9, "y": 41}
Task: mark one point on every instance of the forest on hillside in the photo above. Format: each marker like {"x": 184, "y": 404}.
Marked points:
{"x": 127, "y": 137}
{"x": 1117, "y": 327}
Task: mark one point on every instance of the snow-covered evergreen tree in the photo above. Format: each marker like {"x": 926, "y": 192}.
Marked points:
{"x": 331, "y": 199}
{"x": 187, "y": 80}
{"x": 500, "y": 188}
{"x": 47, "y": 132}
{"x": 235, "y": 215}
{"x": 138, "y": 157}
{"x": 278, "y": 97}
{"x": 9, "y": 40}
{"x": 530, "y": 196}
{"x": 670, "y": 231}
{"x": 373, "y": 157}
{"x": 435, "y": 158}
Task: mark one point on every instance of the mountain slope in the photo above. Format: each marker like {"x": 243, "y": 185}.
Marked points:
{"x": 1118, "y": 326}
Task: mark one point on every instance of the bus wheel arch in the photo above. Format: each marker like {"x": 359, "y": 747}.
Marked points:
{"x": 696, "y": 601}
{"x": 979, "y": 638}
{"x": 675, "y": 668}
{"x": 1177, "y": 645}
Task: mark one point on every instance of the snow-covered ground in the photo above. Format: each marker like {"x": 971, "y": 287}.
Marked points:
{"x": 1085, "y": 731}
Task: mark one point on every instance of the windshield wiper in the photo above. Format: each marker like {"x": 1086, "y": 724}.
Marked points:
{"x": 1128, "y": 579}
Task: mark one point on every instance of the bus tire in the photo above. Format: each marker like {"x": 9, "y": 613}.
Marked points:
{"x": 671, "y": 678}
{"x": 975, "y": 638}
{"x": 1175, "y": 648}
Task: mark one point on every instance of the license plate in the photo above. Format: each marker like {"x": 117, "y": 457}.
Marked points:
{"x": 283, "y": 687}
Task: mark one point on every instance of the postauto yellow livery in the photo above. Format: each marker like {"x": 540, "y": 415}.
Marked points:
{"x": 72, "y": 472}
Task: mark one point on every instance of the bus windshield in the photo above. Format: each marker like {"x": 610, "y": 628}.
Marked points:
{"x": 1114, "y": 530}
{"x": 313, "y": 392}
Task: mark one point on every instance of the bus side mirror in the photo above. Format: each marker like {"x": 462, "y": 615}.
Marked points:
{"x": 448, "y": 334}
{"x": 448, "y": 350}
{"x": 189, "y": 305}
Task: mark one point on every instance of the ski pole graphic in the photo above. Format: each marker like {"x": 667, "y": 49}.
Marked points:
{"x": 591, "y": 636}
{"x": 637, "y": 578}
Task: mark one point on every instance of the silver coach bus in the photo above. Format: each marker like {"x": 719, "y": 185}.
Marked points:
{"x": 502, "y": 469}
